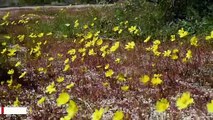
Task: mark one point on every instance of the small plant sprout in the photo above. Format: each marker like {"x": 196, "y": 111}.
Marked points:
{"x": 184, "y": 101}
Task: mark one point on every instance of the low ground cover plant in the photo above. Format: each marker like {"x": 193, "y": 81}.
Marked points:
{"x": 66, "y": 64}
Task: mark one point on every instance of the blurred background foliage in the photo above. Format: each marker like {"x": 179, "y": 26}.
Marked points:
{"x": 164, "y": 17}
{"x": 51, "y": 2}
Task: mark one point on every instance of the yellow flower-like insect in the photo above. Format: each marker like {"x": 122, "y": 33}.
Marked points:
{"x": 133, "y": 29}
{"x": 4, "y": 50}
{"x": 99, "y": 42}
{"x": 120, "y": 77}
{"x": 91, "y": 52}
{"x": 70, "y": 85}
{"x": 67, "y": 24}
{"x": 74, "y": 57}
{"x": 103, "y": 48}
{"x": 156, "y": 42}
{"x": 106, "y": 66}
{"x": 66, "y": 67}
{"x": 210, "y": 107}
{"x": 41, "y": 100}
{"x": 7, "y": 37}
{"x": 60, "y": 55}
{"x": 88, "y": 36}
{"x": 182, "y": 33}
{"x": 109, "y": 73}
{"x": 156, "y": 79}
{"x": 119, "y": 115}
{"x": 117, "y": 60}
{"x": 4, "y": 43}
{"x": 49, "y": 33}
{"x": 51, "y": 88}
{"x": 97, "y": 33}
{"x": 6, "y": 16}
{"x": 12, "y": 52}
{"x": 144, "y": 79}
{"x": 50, "y": 59}
{"x": 16, "y": 102}
{"x": 120, "y": 31}
{"x": 162, "y": 105}
{"x": 40, "y": 35}
{"x": 10, "y": 72}
{"x": 184, "y": 101}
{"x": 97, "y": 115}
{"x": 76, "y": 24}
{"x": 21, "y": 37}
{"x": 167, "y": 53}
{"x": 63, "y": 98}
{"x": 130, "y": 45}
{"x": 116, "y": 28}
{"x": 114, "y": 47}
{"x": 60, "y": 79}
{"x": 125, "y": 88}
{"x": 189, "y": 54}
{"x": 86, "y": 26}
{"x": 72, "y": 109}
{"x": 209, "y": 37}
{"x": 66, "y": 61}
{"x": 10, "y": 82}
{"x": 22, "y": 75}
{"x": 18, "y": 64}
{"x": 174, "y": 55}
{"x": 194, "y": 41}
{"x": 88, "y": 44}
{"x": 71, "y": 52}
{"x": 147, "y": 39}
{"x": 172, "y": 38}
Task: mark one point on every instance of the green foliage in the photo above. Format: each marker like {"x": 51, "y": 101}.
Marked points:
{"x": 160, "y": 18}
